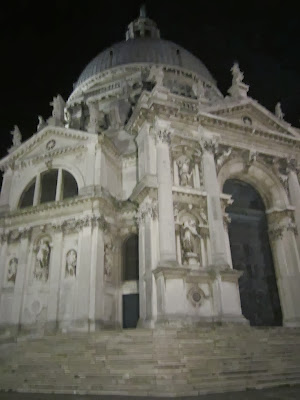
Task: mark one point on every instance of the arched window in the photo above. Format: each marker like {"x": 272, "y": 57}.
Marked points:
{"x": 27, "y": 196}
{"x": 251, "y": 254}
{"x": 51, "y": 185}
{"x": 131, "y": 259}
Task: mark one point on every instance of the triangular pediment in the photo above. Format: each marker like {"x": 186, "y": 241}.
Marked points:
{"x": 49, "y": 141}
{"x": 251, "y": 113}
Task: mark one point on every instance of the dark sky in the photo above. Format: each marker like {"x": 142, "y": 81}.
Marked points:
{"x": 44, "y": 48}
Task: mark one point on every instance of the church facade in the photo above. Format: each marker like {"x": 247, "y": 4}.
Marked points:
{"x": 150, "y": 199}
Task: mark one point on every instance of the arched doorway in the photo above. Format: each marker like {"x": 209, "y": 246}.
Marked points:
{"x": 130, "y": 299}
{"x": 251, "y": 253}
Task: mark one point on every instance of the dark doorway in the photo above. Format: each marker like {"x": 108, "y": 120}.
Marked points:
{"x": 131, "y": 259}
{"x": 131, "y": 312}
{"x": 251, "y": 253}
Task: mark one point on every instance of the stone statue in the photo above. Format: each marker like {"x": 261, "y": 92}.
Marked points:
{"x": 17, "y": 137}
{"x": 223, "y": 156}
{"x": 184, "y": 172}
{"x": 188, "y": 232}
{"x": 42, "y": 257}
{"x": 67, "y": 118}
{"x": 199, "y": 90}
{"x": 71, "y": 263}
{"x": 156, "y": 74}
{"x": 238, "y": 88}
{"x": 237, "y": 74}
{"x": 41, "y": 124}
{"x": 12, "y": 270}
{"x": 58, "y": 111}
{"x": 278, "y": 111}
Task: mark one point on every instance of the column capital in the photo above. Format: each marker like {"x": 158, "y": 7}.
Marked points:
{"x": 209, "y": 144}
{"x": 149, "y": 209}
{"x": 161, "y": 131}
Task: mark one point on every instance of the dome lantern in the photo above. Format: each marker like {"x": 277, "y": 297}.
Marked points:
{"x": 142, "y": 27}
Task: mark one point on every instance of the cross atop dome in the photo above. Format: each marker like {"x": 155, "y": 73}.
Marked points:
{"x": 142, "y": 27}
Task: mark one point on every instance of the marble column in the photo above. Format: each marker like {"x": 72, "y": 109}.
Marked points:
{"x": 167, "y": 239}
{"x": 83, "y": 277}
{"x": 294, "y": 190}
{"x": 147, "y": 235}
{"x": 56, "y": 269}
{"x": 226, "y": 297}
{"x": 214, "y": 209}
{"x": 96, "y": 309}
{"x": 20, "y": 282}
{"x": 287, "y": 265}
{"x": 3, "y": 261}
{"x": 5, "y": 190}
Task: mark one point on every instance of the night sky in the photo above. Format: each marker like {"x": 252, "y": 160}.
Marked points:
{"x": 44, "y": 48}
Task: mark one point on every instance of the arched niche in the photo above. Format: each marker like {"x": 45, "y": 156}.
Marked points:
{"x": 251, "y": 253}
{"x": 131, "y": 258}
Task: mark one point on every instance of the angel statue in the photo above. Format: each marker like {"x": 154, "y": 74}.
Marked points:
{"x": 237, "y": 74}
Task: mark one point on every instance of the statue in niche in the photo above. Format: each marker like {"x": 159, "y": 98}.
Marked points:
{"x": 41, "y": 271}
{"x": 17, "y": 137}
{"x": 188, "y": 236}
{"x": 12, "y": 270}
{"x": 237, "y": 74}
{"x": 185, "y": 175}
{"x": 108, "y": 257}
{"x": 71, "y": 263}
{"x": 278, "y": 111}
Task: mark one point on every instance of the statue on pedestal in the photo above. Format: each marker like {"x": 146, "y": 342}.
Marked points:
{"x": 238, "y": 88}
{"x": 278, "y": 111}
{"x": 58, "y": 112}
{"x": 184, "y": 171}
{"x": 188, "y": 235}
{"x": 17, "y": 137}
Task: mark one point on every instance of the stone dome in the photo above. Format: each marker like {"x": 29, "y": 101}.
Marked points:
{"x": 145, "y": 50}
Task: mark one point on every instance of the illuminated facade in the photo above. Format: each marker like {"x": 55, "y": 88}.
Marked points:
{"x": 118, "y": 211}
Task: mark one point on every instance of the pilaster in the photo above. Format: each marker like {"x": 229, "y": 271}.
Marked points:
{"x": 83, "y": 278}
{"x": 166, "y": 224}
{"x": 54, "y": 279}
{"x": 294, "y": 191}
{"x": 20, "y": 282}
{"x": 282, "y": 231}
{"x": 214, "y": 209}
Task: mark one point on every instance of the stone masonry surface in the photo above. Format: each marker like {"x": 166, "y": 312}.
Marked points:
{"x": 163, "y": 362}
